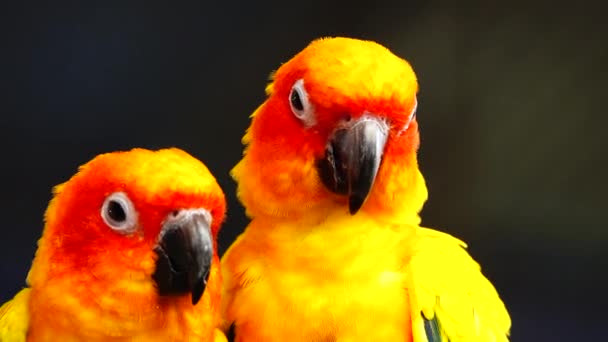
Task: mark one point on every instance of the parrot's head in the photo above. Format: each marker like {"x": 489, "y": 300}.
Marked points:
{"x": 136, "y": 227}
{"x": 338, "y": 131}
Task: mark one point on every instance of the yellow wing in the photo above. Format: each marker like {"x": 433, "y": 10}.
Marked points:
{"x": 450, "y": 297}
{"x": 14, "y": 318}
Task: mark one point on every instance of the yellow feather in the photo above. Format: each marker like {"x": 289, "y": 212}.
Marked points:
{"x": 305, "y": 269}
{"x": 389, "y": 274}
{"x": 447, "y": 282}
{"x": 14, "y": 318}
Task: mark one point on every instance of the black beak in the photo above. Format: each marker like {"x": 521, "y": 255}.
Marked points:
{"x": 352, "y": 159}
{"x": 185, "y": 252}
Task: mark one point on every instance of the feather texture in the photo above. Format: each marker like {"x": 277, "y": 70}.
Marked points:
{"x": 305, "y": 269}
{"x": 91, "y": 283}
{"x": 14, "y": 318}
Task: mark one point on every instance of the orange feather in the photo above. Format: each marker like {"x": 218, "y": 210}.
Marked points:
{"x": 91, "y": 283}
{"x": 305, "y": 269}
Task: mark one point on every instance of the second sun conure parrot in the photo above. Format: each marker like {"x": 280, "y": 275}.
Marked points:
{"x": 127, "y": 253}
{"x": 334, "y": 250}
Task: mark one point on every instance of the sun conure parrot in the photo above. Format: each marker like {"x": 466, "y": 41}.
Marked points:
{"x": 334, "y": 250}
{"x": 127, "y": 254}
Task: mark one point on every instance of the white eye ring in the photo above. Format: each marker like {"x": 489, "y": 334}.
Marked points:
{"x": 300, "y": 104}
{"x": 410, "y": 117}
{"x": 119, "y": 213}
{"x": 413, "y": 113}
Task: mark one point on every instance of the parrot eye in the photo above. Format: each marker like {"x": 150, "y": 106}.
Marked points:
{"x": 300, "y": 105}
{"x": 119, "y": 213}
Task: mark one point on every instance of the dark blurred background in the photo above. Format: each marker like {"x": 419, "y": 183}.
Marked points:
{"x": 512, "y": 114}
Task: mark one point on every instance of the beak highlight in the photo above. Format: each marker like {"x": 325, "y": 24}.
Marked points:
{"x": 185, "y": 252}
{"x": 352, "y": 159}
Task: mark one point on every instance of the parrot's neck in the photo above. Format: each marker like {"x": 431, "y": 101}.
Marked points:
{"x": 90, "y": 306}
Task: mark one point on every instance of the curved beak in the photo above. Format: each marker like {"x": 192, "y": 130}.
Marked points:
{"x": 185, "y": 252}
{"x": 352, "y": 158}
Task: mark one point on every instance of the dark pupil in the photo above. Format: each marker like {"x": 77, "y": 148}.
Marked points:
{"x": 295, "y": 100}
{"x": 116, "y": 212}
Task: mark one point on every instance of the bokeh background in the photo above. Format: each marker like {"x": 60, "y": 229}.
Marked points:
{"x": 512, "y": 114}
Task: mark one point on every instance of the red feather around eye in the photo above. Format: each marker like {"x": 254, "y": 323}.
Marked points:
{"x": 93, "y": 280}
{"x": 334, "y": 250}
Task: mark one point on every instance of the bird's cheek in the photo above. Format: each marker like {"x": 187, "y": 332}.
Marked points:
{"x": 148, "y": 263}
{"x": 403, "y": 142}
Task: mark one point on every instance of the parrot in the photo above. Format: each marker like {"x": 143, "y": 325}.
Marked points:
{"x": 334, "y": 249}
{"x": 127, "y": 253}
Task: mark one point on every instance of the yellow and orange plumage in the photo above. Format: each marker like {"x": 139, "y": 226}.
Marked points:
{"x": 90, "y": 282}
{"x": 329, "y": 256}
